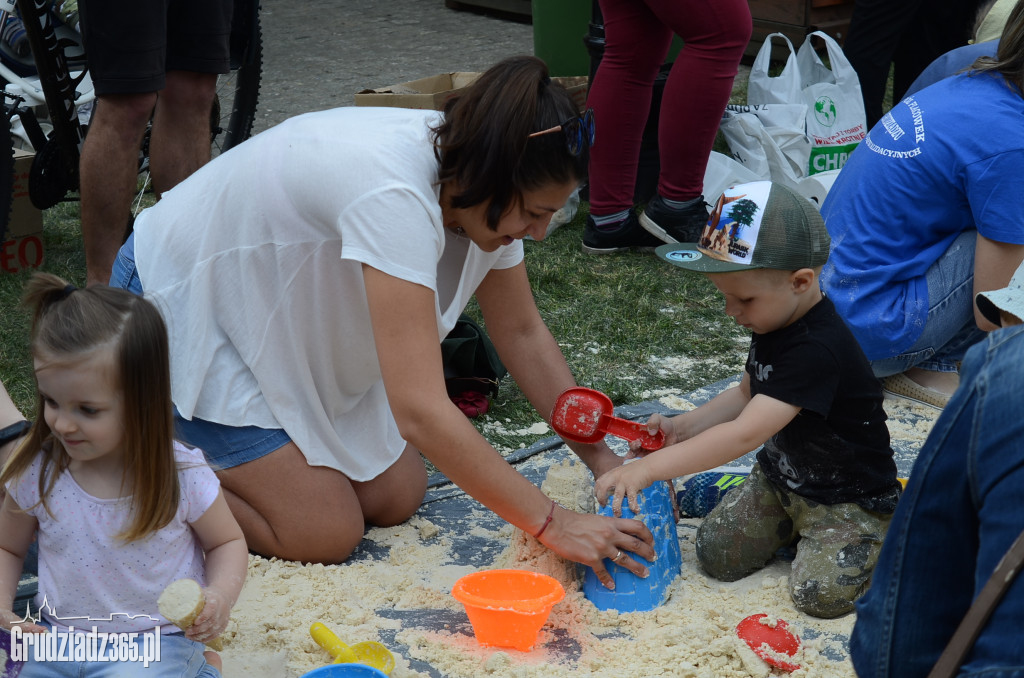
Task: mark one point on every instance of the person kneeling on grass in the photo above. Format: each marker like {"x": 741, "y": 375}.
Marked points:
{"x": 826, "y": 474}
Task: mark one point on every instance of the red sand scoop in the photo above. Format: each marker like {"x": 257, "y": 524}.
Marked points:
{"x": 584, "y": 415}
{"x": 774, "y": 643}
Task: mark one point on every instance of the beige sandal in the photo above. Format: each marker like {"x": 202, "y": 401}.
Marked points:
{"x": 905, "y": 387}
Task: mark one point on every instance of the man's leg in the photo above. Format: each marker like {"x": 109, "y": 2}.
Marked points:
{"x": 180, "y": 140}
{"x": 108, "y": 169}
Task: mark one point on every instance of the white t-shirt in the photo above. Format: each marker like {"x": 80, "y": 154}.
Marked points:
{"x": 255, "y": 262}
{"x": 90, "y": 578}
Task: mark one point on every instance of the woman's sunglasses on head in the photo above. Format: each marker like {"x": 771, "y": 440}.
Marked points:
{"x": 579, "y": 132}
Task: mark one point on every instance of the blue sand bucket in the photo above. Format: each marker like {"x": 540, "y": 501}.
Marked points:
{"x": 9, "y": 668}
{"x": 631, "y": 593}
{"x": 345, "y": 671}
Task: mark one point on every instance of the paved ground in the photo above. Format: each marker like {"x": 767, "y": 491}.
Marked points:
{"x": 319, "y": 53}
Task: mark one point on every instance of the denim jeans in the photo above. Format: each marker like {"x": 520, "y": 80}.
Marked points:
{"x": 963, "y": 507}
{"x": 949, "y": 328}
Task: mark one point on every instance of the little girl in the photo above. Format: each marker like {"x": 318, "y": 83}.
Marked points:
{"x": 119, "y": 508}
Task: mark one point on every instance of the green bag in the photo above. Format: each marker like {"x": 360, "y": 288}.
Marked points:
{"x": 471, "y": 362}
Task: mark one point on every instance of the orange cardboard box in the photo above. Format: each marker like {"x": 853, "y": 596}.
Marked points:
{"x": 433, "y": 92}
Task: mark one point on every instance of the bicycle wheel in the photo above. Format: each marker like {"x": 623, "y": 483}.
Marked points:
{"x": 6, "y": 172}
{"x": 238, "y": 91}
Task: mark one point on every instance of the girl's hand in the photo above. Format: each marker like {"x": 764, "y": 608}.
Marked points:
{"x": 589, "y": 539}
{"x": 212, "y": 621}
{"x": 656, "y": 422}
{"x": 9, "y": 620}
{"x": 627, "y": 480}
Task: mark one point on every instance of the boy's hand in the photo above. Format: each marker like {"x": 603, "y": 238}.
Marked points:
{"x": 624, "y": 481}
{"x": 212, "y": 621}
{"x": 654, "y": 424}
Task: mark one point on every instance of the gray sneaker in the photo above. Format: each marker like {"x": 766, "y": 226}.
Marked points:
{"x": 671, "y": 225}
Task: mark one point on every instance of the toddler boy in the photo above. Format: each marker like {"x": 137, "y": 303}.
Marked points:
{"x": 825, "y": 479}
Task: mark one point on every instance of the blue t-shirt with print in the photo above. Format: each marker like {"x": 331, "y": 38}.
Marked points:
{"x": 943, "y": 161}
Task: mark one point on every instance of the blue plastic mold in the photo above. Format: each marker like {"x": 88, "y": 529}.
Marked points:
{"x": 633, "y": 594}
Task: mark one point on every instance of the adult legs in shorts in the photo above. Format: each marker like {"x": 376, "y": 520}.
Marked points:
{"x": 156, "y": 59}
{"x": 295, "y": 511}
{"x": 837, "y": 545}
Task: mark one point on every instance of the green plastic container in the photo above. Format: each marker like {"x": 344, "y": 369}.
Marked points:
{"x": 559, "y": 27}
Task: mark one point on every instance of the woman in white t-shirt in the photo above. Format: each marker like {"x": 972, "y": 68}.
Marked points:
{"x": 307, "y": 278}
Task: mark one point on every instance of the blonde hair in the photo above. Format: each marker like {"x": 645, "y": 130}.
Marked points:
{"x": 68, "y": 326}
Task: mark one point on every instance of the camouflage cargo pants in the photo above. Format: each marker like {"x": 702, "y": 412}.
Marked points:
{"x": 836, "y": 546}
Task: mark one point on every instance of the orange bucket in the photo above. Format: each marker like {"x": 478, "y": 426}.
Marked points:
{"x": 507, "y": 608}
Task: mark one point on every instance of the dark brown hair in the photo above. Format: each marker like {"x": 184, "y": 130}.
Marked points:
{"x": 484, "y": 144}
{"x": 1009, "y": 58}
{"x": 70, "y": 325}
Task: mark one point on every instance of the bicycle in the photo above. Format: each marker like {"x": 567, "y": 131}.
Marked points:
{"x": 45, "y": 109}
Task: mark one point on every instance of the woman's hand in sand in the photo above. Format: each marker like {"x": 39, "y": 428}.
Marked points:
{"x": 212, "y": 621}
{"x": 589, "y": 539}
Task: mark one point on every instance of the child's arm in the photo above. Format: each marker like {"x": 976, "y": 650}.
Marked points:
{"x": 762, "y": 418}
{"x": 227, "y": 559}
{"x": 725, "y": 406}
{"x": 16, "y": 530}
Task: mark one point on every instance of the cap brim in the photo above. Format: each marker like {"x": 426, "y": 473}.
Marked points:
{"x": 688, "y": 256}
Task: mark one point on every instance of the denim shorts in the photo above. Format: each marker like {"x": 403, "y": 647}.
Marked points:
{"x": 224, "y": 446}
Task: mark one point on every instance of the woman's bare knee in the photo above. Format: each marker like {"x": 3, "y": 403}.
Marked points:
{"x": 393, "y": 496}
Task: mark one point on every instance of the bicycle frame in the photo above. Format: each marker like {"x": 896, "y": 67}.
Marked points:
{"x": 55, "y": 80}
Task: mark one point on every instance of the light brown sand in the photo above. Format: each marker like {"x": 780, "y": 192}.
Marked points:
{"x": 691, "y": 635}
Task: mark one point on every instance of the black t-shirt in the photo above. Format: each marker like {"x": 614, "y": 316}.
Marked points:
{"x": 836, "y": 450}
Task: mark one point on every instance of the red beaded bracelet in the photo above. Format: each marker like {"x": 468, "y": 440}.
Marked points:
{"x": 547, "y": 521}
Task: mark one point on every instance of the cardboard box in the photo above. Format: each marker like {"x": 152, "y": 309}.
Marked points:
{"x": 433, "y": 92}
{"x": 22, "y": 244}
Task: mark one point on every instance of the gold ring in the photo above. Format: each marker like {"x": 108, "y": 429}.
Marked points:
{"x": 618, "y": 554}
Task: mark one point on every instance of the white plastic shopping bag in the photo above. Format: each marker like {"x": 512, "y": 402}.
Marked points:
{"x": 814, "y": 114}
{"x": 835, "y": 117}
{"x": 786, "y": 87}
{"x": 758, "y": 148}
{"x": 721, "y": 173}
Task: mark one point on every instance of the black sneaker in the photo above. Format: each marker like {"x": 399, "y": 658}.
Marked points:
{"x": 628, "y": 235}
{"x": 671, "y": 225}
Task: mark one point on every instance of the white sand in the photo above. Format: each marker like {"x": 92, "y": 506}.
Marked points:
{"x": 691, "y": 635}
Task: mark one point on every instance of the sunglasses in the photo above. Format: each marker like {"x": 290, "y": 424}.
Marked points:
{"x": 579, "y": 132}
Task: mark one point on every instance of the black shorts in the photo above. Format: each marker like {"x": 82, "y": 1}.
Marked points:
{"x": 131, "y": 44}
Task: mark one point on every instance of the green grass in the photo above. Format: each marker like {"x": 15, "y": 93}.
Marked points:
{"x": 63, "y": 256}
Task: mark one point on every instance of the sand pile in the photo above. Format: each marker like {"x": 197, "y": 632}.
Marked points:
{"x": 403, "y": 599}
